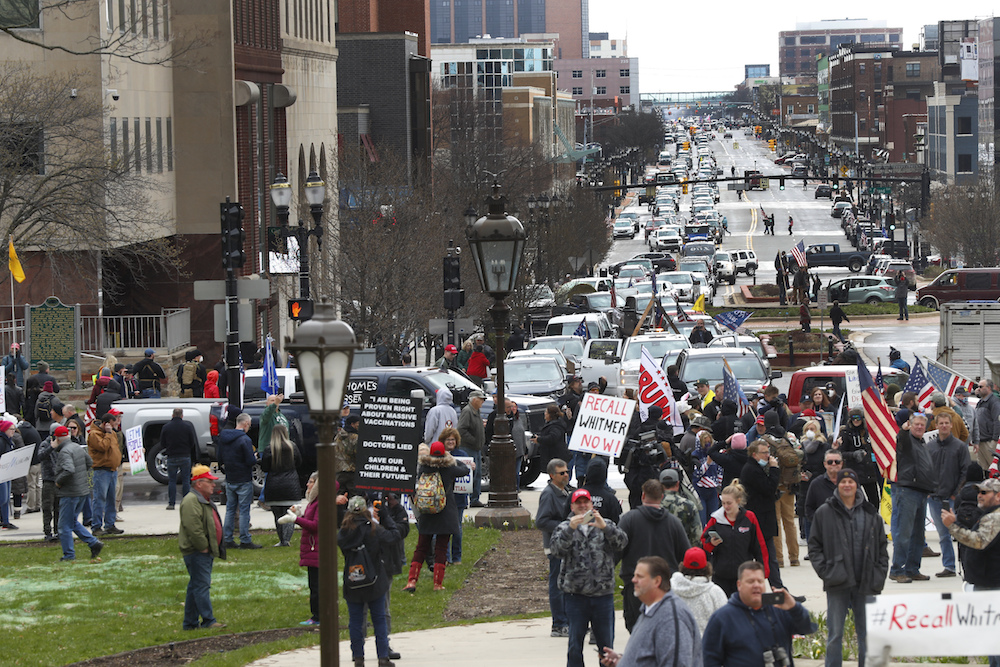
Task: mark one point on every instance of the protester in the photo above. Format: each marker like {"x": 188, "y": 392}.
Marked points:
{"x": 553, "y": 508}
{"x": 281, "y": 461}
{"x": 180, "y": 446}
{"x": 760, "y": 478}
{"x": 693, "y": 584}
{"x": 237, "y": 458}
{"x": 452, "y": 441}
{"x": 950, "y": 459}
{"x": 72, "y": 468}
{"x": 308, "y": 520}
{"x": 914, "y": 481}
{"x": 200, "y": 544}
{"x": 733, "y": 536}
{"x": 102, "y": 445}
{"x": 679, "y": 506}
{"x": 473, "y": 433}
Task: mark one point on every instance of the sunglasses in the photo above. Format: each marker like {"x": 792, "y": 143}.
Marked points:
{"x": 983, "y": 493}
{"x": 562, "y": 472}
{"x": 834, "y": 463}
{"x": 858, "y": 417}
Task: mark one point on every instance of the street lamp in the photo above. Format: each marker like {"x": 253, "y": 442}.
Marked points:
{"x": 324, "y": 348}
{"x": 497, "y": 244}
{"x": 281, "y": 196}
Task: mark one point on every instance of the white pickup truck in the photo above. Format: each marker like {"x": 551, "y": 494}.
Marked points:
{"x": 618, "y": 359}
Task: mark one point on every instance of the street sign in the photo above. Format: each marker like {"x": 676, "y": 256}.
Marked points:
{"x": 823, "y": 299}
{"x": 246, "y": 323}
{"x": 463, "y": 325}
{"x": 577, "y": 262}
{"x": 737, "y": 186}
{"x": 246, "y": 288}
{"x": 883, "y": 190}
{"x": 843, "y": 170}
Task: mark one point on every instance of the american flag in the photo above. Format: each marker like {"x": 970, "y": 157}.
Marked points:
{"x": 881, "y": 425}
{"x": 946, "y": 380}
{"x": 731, "y": 390}
{"x": 879, "y": 380}
{"x": 799, "y": 253}
{"x": 614, "y": 296}
{"x": 582, "y": 331}
{"x": 921, "y": 386}
{"x": 681, "y": 315}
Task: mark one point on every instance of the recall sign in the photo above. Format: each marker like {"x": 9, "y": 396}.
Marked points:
{"x": 602, "y": 424}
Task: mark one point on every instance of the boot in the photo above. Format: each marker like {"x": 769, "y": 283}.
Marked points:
{"x": 439, "y": 569}
{"x": 285, "y": 532}
{"x": 386, "y": 662}
{"x": 411, "y": 584}
{"x": 359, "y": 662}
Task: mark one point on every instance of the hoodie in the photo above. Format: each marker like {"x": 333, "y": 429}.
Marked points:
{"x": 441, "y": 416}
{"x": 236, "y": 455}
{"x": 212, "y": 385}
{"x": 701, "y": 596}
{"x": 373, "y": 541}
{"x": 603, "y": 497}
{"x": 652, "y": 531}
{"x": 727, "y": 423}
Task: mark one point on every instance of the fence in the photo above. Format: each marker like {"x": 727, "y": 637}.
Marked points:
{"x": 171, "y": 329}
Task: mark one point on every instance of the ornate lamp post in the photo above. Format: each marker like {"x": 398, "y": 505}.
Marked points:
{"x": 281, "y": 195}
{"x": 323, "y": 348}
{"x": 497, "y": 244}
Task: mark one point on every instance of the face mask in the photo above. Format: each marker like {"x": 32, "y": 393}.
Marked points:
{"x": 809, "y": 435}
{"x": 763, "y": 464}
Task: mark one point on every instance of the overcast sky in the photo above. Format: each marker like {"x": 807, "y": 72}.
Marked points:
{"x": 693, "y": 46}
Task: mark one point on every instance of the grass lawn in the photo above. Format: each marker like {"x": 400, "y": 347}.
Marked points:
{"x": 57, "y": 613}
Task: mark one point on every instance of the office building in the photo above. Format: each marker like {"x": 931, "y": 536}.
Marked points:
{"x": 797, "y": 49}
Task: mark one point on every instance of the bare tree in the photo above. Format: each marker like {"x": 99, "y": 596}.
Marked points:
{"x": 965, "y": 221}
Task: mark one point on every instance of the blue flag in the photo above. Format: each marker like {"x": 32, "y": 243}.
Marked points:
{"x": 582, "y": 331}
{"x": 269, "y": 380}
{"x": 733, "y": 319}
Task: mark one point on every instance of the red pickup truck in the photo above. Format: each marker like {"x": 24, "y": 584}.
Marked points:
{"x": 805, "y": 380}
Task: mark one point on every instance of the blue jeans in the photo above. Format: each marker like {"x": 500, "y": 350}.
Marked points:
{"x": 557, "y": 600}
{"x": 150, "y": 393}
{"x": 904, "y": 310}
{"x": 4, "y": 502}
{"x": 709, "y": 501}
{"x": 907, "y": 530}
{"x": 944, "y": 537}
{"x": 69, "y": 523}
{"x": 238, "y": 499}
{"x": 456, "y": 540}
{"x": 198, "y": 601}
{"x": 356, "y": 626}
{"x": 477, "y": 475}
{"x": 178, "y": 468}
{"x": 836, "y": 332}
{"x": 104, "y": 499}
{"x": 578, "y": 465}
{"x": 837, "y": 604}
{"x": 596, "y": 611}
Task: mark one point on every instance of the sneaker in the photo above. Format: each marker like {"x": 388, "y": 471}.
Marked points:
{"x": 919, "y": 577}
{"x": 945, "y": 573}
{"x": 67, "y": 559}
{"x": 231, "y": 545}
{"x": 113, "y": 531}
{"x": 250, "y": 545}
{"x": 560, "y": 632}
{"x": 930, "y": 553}
{"x": 799, "y": 598}
{"x": 96, "y": 531}
{"x": 51, "y": 538}
{"x": 29, "y": 511}
{"x": 17, "y": 514}
{"x": 309, "y": 621}
{"x": 477, "y": 503}
{"x": 214, "y": 626}
{"x": 8, "y": 526}
{"x": 170, "y": 507}
{"x": 95, "y": 549}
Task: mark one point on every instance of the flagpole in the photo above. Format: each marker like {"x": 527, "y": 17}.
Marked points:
{"x": 13, "y": 318}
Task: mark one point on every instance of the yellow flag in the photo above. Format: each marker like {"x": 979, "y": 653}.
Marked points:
{"x": 699, "y": 304}
{"x": 885, "y": 506}
{"x": 14, "y": 263}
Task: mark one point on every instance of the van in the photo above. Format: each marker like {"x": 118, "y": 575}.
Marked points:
{"x": 598, "y": 325}
{"x": 979, "y": 284}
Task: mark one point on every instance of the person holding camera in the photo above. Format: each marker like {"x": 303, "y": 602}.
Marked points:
{"x": 849, "y": 551}
{"x": 755, "y": 628}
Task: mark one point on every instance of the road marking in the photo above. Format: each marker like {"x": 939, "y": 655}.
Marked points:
{"x": 753, "y": 227}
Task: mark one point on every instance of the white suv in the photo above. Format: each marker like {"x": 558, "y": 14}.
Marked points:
{"x": 744, "y": 261}
{"x": 725, "y": 268}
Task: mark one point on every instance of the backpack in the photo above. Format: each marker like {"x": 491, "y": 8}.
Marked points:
{"x": 430, "y": 496}
{"x": 359, "y": 569}
{"x": 189, "y": 373}
{"x": 43, "y": 407}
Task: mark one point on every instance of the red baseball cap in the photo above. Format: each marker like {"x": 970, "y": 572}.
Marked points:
{"x": 115, "y": 411}
{"x": 694, "y": 559}
{"x": 60, "y": 431}
{"x": 202, "y": 472}
{"x": 451, "y": 348}
{"x": 580, "y": 493}
{"x": 760, "y": 420}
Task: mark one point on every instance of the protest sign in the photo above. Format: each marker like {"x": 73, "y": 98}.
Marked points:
{"x": 387, "y": 444}
{"x": 464, "y": 484}
{"x": 136, "y": 452}
{"x": 15, "y": 463}
{"x": 602, "y": 424}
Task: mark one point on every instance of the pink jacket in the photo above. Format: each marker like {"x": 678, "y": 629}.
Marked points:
{"x": 309, "y": 547}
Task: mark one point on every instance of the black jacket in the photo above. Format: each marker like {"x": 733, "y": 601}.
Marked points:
{"x": 914, "y": 466}
{"x": 384, "y": 534}
{"x": 652, "y": 531}
{"x": 15, "y": 399}
{"x": 394, "y": 554}
{"x": 553, "y": 508}
{"x": 552, "y": 442}
{"x": 820, "y": 490}
{"x": 605, "y": 501}
{"x": 731, "y": 460}
{"x": 832, "y": 548}
{"x": 179, "y": 439}
{"x": 742, "y": 540}
{"x": 725, "y": 424}
{"x": 951, "y": 459}
{"x": 982, "y": 566}
{"x": 856, "y": 448}
{"x": 282, "y": 482}
{"x": 236, "y": 455}
{"x": 445, "y": 522}
{"x": 761, "y": 484}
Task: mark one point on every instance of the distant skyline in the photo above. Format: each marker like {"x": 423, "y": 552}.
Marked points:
{"x": 693, "y": 47}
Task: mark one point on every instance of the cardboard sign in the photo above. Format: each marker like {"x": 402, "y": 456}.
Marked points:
{"x": 464, "y": 484}
{"x": 853, "y": 388}
{"x": 387, "y": 444}
{"x": 136, "y": 452}
{"x": 15, "y": 463}
{"x": 602, "y": 424}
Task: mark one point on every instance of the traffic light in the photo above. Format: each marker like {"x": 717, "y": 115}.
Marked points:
{"x": 233, "y": 236}
{"x": 781, "y": 183}
{"x": 772, "y": 144}
{"x": 454, "y": 299}
{"x": 300, "y": 310}
{"x": 684, "y": 186}
{"x": 836, "y": 184}
{"x": 687, "y": 145}
{"x": 452, "y": 273}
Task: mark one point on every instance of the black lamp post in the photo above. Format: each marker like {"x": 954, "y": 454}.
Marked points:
{"x": 497, "y": 244}
{"x": 324, "y": 348}
{"x": 281, "y": 195}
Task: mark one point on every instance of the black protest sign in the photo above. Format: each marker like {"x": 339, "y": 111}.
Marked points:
{"x": 387, "y": 444}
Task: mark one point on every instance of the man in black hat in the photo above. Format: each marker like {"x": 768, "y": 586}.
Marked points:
{"x": 191, "y": 375}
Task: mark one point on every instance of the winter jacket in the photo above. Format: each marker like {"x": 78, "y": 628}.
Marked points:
{"x": 588, "y": 560}
{"x": 179, "y": 439}
{"x": 652, "y": 531}
{"x": 212, "y": 385}
{"x": 271, "y": 416}
{"x": 968, "y": 413}
{"x": 394, "y": 554}
{"x": 103, "y": 448}
{"x": 686, "y": 511}
{"x": 732, "y": 639}
{"x": 914, "y": 467}
{"x": 605, "y": 501}
{"x": 478, "y": 366}
{"x": 16, "y": 364}
{"x": 73, "y": 465}
{"x": 669, "y": 630}
{"x": 982, "y": 557}
{"x": 14, "y": 396}
{"x": 726, "y": 424}
{"x": 46, "y": 456}
{"x": 374, "y": 541}
{"x": 553, "y": 508}
{"x": 761, "y": 483}
{"x": 104, "y": 402}
{"x": 443, "y": 415}
{"x": 856, "y": 449}
{"x": 309, "y": 542}
{"x": 471, "y": 429}
{"x": 282, "y": 485}
{"x": 700, "y": 595}
{"x": 236, "y": 455}
{"x": 958, "y": 428}
{"x": 950, "y": 458}
{"x": 445, "y": 522}
{"x": 552, "y": 442}
{"x": 742, "y": 540}
{"x": 988, "y": 418}
{"x": 345, "y": 449}
{"x": 731, "y": 460}
{"x": 820, "y": 489}
{"x": 814, "y": 450}
{"x": 833, "y": 547}
{"x": 198, "y": 528}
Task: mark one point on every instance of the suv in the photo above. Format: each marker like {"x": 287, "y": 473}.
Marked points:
{"x": 744, "y": 261}
{"x": 862, "y": 289}
{"x": 725, "y": 268}
{"x": 824, "y": 191}
{"x": 623, "y": 229}
{"x": 695, "y": 363}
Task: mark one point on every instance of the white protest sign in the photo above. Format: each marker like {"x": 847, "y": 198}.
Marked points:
{"x": 464, "y": 484}
{"x": 3, "y": 401}
{"x": 15, "y": 463}
{"x": 602, "y": 424}
{"x": 136, "y": 452}
{"x": 853, "y": 387}
{"x": 932, "y": 624}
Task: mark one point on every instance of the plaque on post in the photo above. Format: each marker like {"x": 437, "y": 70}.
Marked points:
{"x": 54, "y": 335}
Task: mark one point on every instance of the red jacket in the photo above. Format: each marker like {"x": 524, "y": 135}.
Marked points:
{"x": 212, "y": 385}
{"x": 309, "y": 546}
{"x": 479, "y": 365}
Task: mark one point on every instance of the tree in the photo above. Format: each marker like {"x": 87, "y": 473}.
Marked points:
{"x": 632, "y": 130}
{"x": 965, "y": 221}
{"x": 61, "y": 190}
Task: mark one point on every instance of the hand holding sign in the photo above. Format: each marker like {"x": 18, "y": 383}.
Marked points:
{"x": 602, "y": 424}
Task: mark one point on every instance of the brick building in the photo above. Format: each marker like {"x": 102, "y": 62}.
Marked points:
{"x": 797, "y": 49}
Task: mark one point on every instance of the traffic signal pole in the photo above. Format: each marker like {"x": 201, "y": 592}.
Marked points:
{"x": 233, "y": 258}
{"x": 454, "y": 295}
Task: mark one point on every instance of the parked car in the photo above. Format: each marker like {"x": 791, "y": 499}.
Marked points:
{"x": 662, "y": 261}
{"x": 725, "y": 268}
{"x": 536, "y": 375}
{"x": 976, "y": 284}
{"x": 696, "y": 363}
{"x": 745, "y": 261}
{"x": 837, "y": 210}
{"x": 805, "y": 380}
{"x": 861, "y": 289}
{"x": 892, "y": 267}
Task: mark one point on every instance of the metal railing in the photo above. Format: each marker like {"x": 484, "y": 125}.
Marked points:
{"x": 171, "y": 329}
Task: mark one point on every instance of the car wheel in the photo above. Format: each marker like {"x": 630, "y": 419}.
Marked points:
{"x": 156, "y": 463}
{"x": 855, "y": 265}
{"x": 530, "y": 470}
{"x": 751, "y": 269}
{"x": 929, "y": 302}
{"x": 732, "y": 280}
{"x": 873, "y": 301}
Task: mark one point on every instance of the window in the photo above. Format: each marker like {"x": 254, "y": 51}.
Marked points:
{"x": 790, "y": 109}
{"x": 912, "y": 69}
{"x": 804, "y": 52}
{"x": 624, "y": 90}
{"x": 964, "y": 163}
{"x": 893, "y": 38}
{"x": 126, "y": 153}
{"x": 578, "y": 90}
{"x": 578, "y": 74}
{"x": 862, "y": 96}
{"x": 149, "y": 145}
{"x": 790, "y": 41}
{"x": 813, "y": 39}
{"x": 976, "y": 280}
{"x": 789, "y": 53}
{"x": 113, "y": 133}
{"x": 861, "y": 68}
{"x": 862, "y": 125}
{"x": 600, "y": 73}
{"x": 19, "y": 14}
{"x": 159, "y": 145}
{"x": 170, "y": 144}
{"x": 601, "y": 90}
{"x": 21, "y": 147}
{"x": 624, "y": 73}
{"x": 138, "y": 147}
{"x": 811, "y": 108}
{"x": 963, "y": 125}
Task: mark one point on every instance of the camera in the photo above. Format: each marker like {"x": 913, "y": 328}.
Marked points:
{"x": 776, "y": 656}
{"x": 114, "y": 94}
{"x": 643, "y": 451}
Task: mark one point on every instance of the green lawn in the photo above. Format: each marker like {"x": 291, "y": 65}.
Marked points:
{"x": 57, "y": 613}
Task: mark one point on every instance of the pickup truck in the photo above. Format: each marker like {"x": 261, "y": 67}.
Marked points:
{"x": 830, "y": 254}
{"x": 618, "y": 359}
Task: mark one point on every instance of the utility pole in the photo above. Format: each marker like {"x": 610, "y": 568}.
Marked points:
{"x": 454, "y": 295}
{"x": 233, "y": 257}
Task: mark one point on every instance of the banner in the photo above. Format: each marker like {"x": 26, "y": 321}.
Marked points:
{"x": 602, "y": 424}
{"x": 853, "y": 388}
{"x": 733, "y": 319}
{"x": 387, "y": 444}
{"x": 136, "y": 452}
{"x": 464, "y": 484}
{"x": 654, "y": 389}
{"x": 15, "y": 463}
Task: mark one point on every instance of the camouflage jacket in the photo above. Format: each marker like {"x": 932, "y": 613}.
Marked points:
{"x": 685, "y": 510}
{"x": 588, "y": 559}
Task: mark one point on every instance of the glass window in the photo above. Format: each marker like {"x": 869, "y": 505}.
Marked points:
{"x": 977, "y": 280}
{"x": 601, "y": 90}
{"x": 912, "y": 69}
{"x": 159, "y": 145}
{"x": 138, "y": 147}
{"x": 400, "y": 387}
{"x": 599, "y": 348}
{"x": 578, "y": 90}
{"x": 789, "y": 41}
{"x": 600, "y": 73}
{"x": 516, "y": 370}
{"x": 113, "y": 133}
{"x": 789, "y": 53}
{"x": 804, "y": 52}
{"x": 861, "y": 68}
{"x": 126, "y": 153}
{"x": 963, "y": 125}
{"x": 964, "y": 163}
{"x": 170, "y": 144}
{"x": 893, "y": 38}
{"x": 623, "y": 73}
{"x": 149, "y": 145}
{"x": 624, "y": 90}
